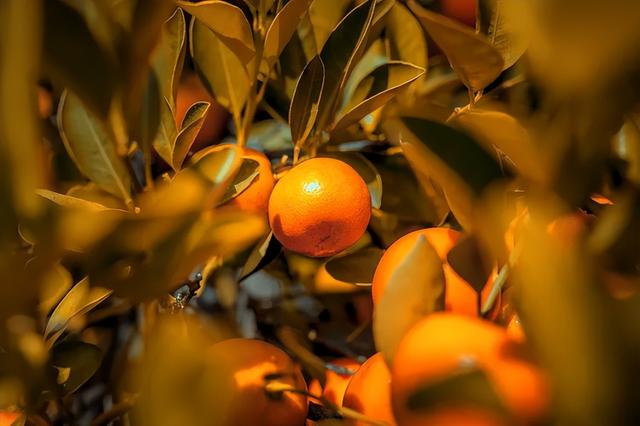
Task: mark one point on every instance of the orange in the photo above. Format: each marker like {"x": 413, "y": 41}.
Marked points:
{"x": 570, "y": 228}
{"x": 461, "y": 10}
{"x": 243, "y": 368}
{"x": 320, "y": 207}
{"x": 369, "y": 391}
{"x": 255, "y": 198}
{"x": 460, "y": 297}
{"x": 335, "y": 383}
{"x": 45, "y": 102}
{"x": 8, "y": 418}
{"x": 443, "y": 344}
{"x": 190, "y": 91}
{"x": 514, "y": 329}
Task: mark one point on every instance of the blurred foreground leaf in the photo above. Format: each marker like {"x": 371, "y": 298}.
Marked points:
{"x": 82, "y": 359}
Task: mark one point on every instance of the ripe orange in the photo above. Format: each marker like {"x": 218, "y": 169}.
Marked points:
{"x": 514, "y": 329}
{"x": 8, "y": 418}
{"x": 460, "y": 10}
{"x": 319, "y": 207}
{"x": 45, "y": 102}
{"x": 443, "y": 344}
{"x": 460, "y": 297}
{"x": 243, "y": 368}
{"x": 255, "y": 198}
{"x": 369, "y": 391}
{"x": 190, "y": 91}
{"x": 335, "y": 383}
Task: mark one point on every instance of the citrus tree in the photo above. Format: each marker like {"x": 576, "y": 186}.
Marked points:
{"x": 319, "y": 212}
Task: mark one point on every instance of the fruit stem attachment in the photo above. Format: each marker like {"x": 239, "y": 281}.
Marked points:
{"x": 275, "y": 388}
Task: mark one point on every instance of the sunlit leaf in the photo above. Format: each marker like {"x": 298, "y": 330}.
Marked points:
{"x": 473, "y": 58}
{"x": 406, "y": 37}
{"x": 191, "y": 125}
{"x": 498, "y": 130}
{"x": 247, "y": 173}
{"x": 81, "y": 299}
{"x": 356, "y": 268}
{"x": 376, "y": 89}
{"x": 90, "y": 146}
{"x": 71, "y": 201}
{"x": 82, "y": 359}
{"x": 229, "y": 25}
{"x": 504, "y": 32}
{"x": 340, "y": 54}
{"x": 324, "y": 17}
{"x": 407, "y": 299}
{"x": 223, "y": 73}
{"x": 627, "y": 146}
{"x": 91, "y": 192}
{"x": 170, "y": 55}
{"x": 366, "y": 170}
{"x": 164, "y": 144}
{"x": 306, "y": 99}
{"x": 86, "y": 69}
{"x": 55, "y": 284}
{"x": 457, "y": 151}
{"x": 281, "y": 29}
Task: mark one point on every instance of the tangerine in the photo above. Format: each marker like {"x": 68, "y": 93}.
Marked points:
{"x": 320, "y": 207}
{"x": 443, "y": 344}
{"x": 369, "y": 391}
{"x": 243, "y": 369}
{"x": 336, "y": 382}
{"x": 255, "y": 198}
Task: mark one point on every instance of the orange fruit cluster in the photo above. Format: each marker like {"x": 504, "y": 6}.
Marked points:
{"x": 440, "y": 346}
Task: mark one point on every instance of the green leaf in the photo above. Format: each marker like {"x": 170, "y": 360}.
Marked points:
{"x": 20, "y": 136}
{"x": 466, "y": 259}
{"x": 229, "y": 25}
{"x": 86, "y": 69}
{"x": 164, "y": 143}
{"x": 70, "y": 201}
{"x": 356, "y": 268}
{"x": 265, "y": 252}
{"x": 407, "y": 41}
{"x": 81, "y": 299}
{"x": 376, "y": 89}
{"x": 270, "y": 135}
{"x": 149, "y": 120}
{"x": 248, "y": 172}
{"x": 306, "y": 99}
{"x": 281, "y": 30}
{"x": 365, "y": 169}
{"x": 55, "y": 284}
{"x": 221, "y": 70}
{"x": 324, "y": 17}
{"x": 415, "y": 289}
{"x": 91, "y": 192}
{"x": 505, "y": 32}
{"x": 495, "y": 129}
{"x": 191, "y": 125}
{"x": 472, "y": 57}
{"x": 457, "y": 151}
{"x": 91, "y": 147}
{"x": 168, "y": 60}
{"x": 82, "y": 359}
{"x": 340, "y": 54}
{"x": 465, "y": 389}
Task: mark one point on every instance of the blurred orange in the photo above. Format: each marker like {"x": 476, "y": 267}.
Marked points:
{"x": 7, "y": 418}
{"x": 369, "y": 392}
{"x": 443, "y": 344}
{"x": 460, "y": 297}
{"x": 190, "y": 91}
{"x": 244, "y": 367}
{"x": 461, "y": 10}
{"x": 45, "y": 102}
{"x": 320, "y": 207}
{"x": 335, "y": 383}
